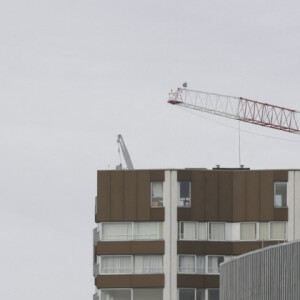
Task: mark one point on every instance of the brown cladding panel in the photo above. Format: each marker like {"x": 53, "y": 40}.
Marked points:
{"x": 143, "y": 196}
{"x": 266, "y": 196}
{"x": 198, "y": 196}
{"x": 211, "y": 199}
{"x": 113, "y": 281}
{"x": 204, "y": 247}
{"x": 130, "y": 189}
{"x": 281, "y": 214}
{"x": 149, "y": 281}
{"x": 253, "y": 194}
{"x": 117, "y": 196}
{"x": 239, "y": 196}
{"x": 184, "y": 214}
{"x": 130, "y": 248}
{"x": 197, "y": 281}
{"x": 157, "y": 175}
{"x": 225, "y": 196}
{"x": 149, "y": 247}
{"x": 103, "y": 196}
{"x": 281, "y": 175}
{"x": 113, "y": 248}
{"x": 184, "y": 175}
{"x": 129, "y": 281}
{"x": 157, "y": 214}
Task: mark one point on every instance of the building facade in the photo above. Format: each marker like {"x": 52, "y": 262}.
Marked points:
{"x": 268, "y": 273}
{"x": 162, "y": 234}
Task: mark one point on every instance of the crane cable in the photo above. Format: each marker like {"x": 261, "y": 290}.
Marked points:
{"x": 247, "y": 131}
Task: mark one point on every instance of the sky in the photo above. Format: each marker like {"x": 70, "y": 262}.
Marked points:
{"x": 75, "y": 74}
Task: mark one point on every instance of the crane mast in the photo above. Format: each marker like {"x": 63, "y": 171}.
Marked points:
{"x": 125, "y": 153}
{"x": 238, "y": 108}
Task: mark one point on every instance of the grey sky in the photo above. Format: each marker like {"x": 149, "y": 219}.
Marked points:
{"x": 76, "y": 73}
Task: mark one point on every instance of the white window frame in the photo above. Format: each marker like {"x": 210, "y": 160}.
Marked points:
{"x": 206, "y": 267}
{"x": 193, "y": 255}
{"x": 256, "y": 231}
{"x": 131, "y": 263}
{"x": 196, "y": 231}
{"x": 130, "y": 289}
{"x": 190, "y": 190}
{"x": 285, "y": 230}
{"x": 151, "y": 194}
{"x": 195, "y": 290}
{"x": 208, "y": 227}
{"x": 276, "y": 182}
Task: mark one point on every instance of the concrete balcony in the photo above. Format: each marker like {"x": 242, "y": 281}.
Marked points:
{"x": 96, "y": 235}
{"x": 96, "y": 270}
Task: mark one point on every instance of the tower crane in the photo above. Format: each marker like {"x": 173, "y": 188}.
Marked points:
{"x": 238, "y": 108}
{"x": 125, "y": 152}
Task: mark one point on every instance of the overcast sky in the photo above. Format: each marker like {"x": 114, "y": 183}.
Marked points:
{"x": 74, "y": 74}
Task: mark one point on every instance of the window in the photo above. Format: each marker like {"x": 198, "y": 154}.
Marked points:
{"x": 248, "y": 231}
{"x": 217, "y": 231}
{"x": 116, "y": 264}
{"x": 115, "y": 294}
{"x": 187, "y": 230}
{"x": 277, "y": 230}
{"x": 148, "y": 264}
{"x": 202, "y": 231}
{"x": 280, "y": 194}
{"x": 214, "y": 263}
{"x": 213, "y": 294}
{"x": 200, "y": 294}
{"x": 186, "y": 264}
{"x": 156, "y": 193}
{"x": 116, "y": 231}
{"x": 200, "y": 260}
{"x": 186, "y": 294}
{"x": 263, "y": 231}
{"x": 148, "y": 231}
{"x": 184, "y": 194}
{"x": 147, "y": 294}
{"x": 132, "y": 294}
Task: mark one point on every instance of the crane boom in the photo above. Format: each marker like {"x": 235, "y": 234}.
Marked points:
{"x": 238, "y": 108}
{"x": 125, "y": 152}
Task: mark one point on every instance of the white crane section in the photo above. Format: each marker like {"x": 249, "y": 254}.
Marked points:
{"x": 238, "y": 108}
{"x": 125, "y": 153}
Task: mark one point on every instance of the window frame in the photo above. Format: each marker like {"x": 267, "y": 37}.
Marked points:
{"x": 158, "y": 206}
{"x": 196, "y": 231}
{"x": 208, "y": 232}
{"x": 275, "y": 183}
{"x": 285, "y": 230}
{"x": 190, "y": 194}
{"x": 256, "y": 231}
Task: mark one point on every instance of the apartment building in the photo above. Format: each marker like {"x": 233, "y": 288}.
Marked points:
{"x": 162, "y": 234}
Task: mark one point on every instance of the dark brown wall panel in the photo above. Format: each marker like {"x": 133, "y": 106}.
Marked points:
{"x": 129, "y": 281}
{"x": 225, "y": 196}
{"x": 266, "y": 196}
{"x": 281, "y": 214}
{"x": 153, "y": 247}
{"x": 157, "y": 175}
{"x": 157, "y": 214}
{"x": 130, "y": 248}
{"x": 113, "y": 248}
{"x": 212, "y": 197}
{"x": 239, "y": 196}
{"x": 281, "y": 175}
{"x": 184, "y": 214}
{"x": 184, "y": 175}
{"x": 253, "y": 194}
{"x": 204, "y": 247}
{"x": 143, "y": 195}
{"x": 198, "y": 196}
{"x": 117, "y": 205}
{"x": 143, "y": 281}
{"x": 239, "y": 248}
{"x": 197, "y": 281}
{"x": 103, "y": 196}
{"x": 130, "y": 190}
